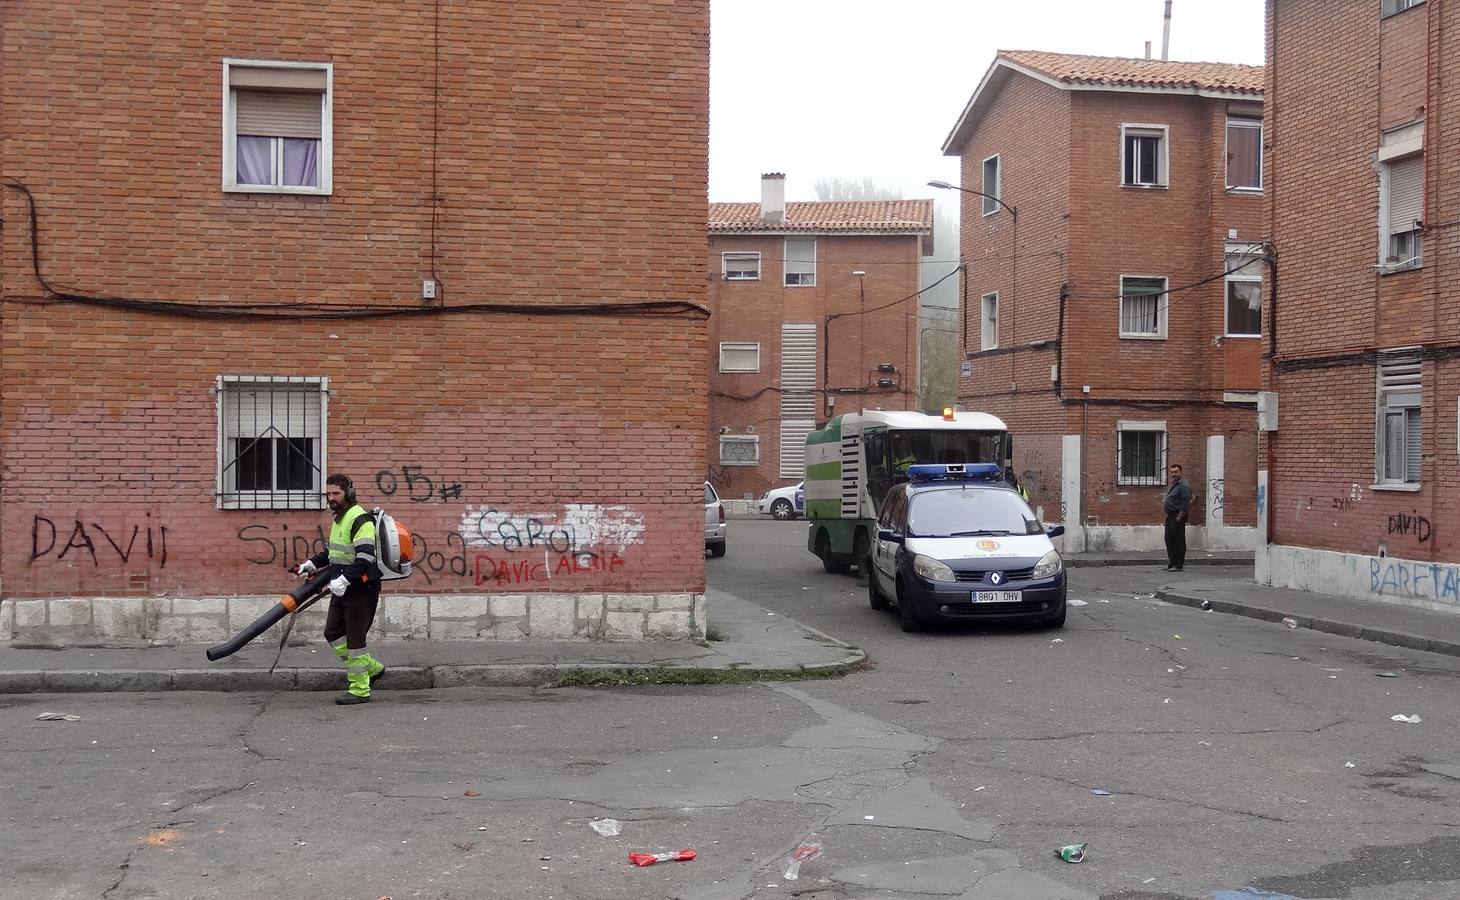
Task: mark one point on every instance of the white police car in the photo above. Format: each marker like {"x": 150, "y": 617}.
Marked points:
{"x": 784, "y": 503}
{"x": 958, "y": 543}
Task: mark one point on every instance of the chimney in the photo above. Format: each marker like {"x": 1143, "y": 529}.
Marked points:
{"x": 773, "y": 198}
{"x": 1166, "y": 33}
{"x": 1148, "y": 49}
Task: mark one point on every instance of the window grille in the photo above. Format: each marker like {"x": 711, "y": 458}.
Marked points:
{"x": 271, "y": 441}
{"x": 739, "y": 450}
{"x": 1140, "y": 456}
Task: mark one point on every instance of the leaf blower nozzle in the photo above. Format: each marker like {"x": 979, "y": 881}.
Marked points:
{"x": 292, "y": 602}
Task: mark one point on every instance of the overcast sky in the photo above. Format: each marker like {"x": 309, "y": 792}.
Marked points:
{"x": 870, "y": 88}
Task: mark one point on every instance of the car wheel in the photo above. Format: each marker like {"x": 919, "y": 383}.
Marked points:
{"x": 717, "y": 550}
{"x": 782, "y": 510}
{"x": 907, "y": 616}
{"x": 874, "y": 596}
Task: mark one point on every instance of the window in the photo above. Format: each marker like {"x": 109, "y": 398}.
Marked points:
{"x": 739, "y": 450}
{"x": 1244, "y": 155}
{"x": 1143, "y": 303}
{"x": 1244, "y": 292}
{"x": 276, "y": 127}
{"x": 1401, "y": 185}
{"x": 1143, "y": 155}
{"x": 740, "y": 266}
{"x": 990, "y": 185}
{"x": 1140, "y": 454}
{"x": 800, "y": 262}
{"x": 271, "y": 452}
{"x": 1390, "y": 7}
{"x": 990, "y": 322}
{"x": 1398, "y": 438}
{"x": 739, "y": 356}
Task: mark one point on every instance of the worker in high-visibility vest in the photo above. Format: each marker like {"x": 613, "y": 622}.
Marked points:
{"x": 356, "y": 587}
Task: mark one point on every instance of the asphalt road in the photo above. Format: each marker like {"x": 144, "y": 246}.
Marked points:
{"x": 952, "y": 768}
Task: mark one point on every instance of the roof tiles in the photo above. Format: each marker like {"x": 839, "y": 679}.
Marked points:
{"x": 829, "y": 217}
{"x": 1073, "y": 69}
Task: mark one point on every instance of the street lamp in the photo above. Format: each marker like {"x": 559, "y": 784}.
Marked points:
{"x": 861, "y": 277}
{"x": 1013, "y": 260}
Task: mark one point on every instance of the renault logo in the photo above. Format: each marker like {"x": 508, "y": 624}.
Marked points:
{"x": 996, "y": 578}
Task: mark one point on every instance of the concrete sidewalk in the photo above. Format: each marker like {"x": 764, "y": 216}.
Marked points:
{"x": 1369, "y": 620}
{"x": 1158, "y": 558}
{"x": 754, "y": 640}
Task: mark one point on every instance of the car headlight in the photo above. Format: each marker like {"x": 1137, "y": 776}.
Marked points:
{"x": 1049, "y": 565}
{"x": 932, "y": 569}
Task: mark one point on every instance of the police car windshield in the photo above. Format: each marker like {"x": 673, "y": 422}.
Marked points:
{"x": 969, "y": 511}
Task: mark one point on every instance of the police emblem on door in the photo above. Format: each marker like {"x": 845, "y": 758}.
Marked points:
{"x": 996, "y": 578}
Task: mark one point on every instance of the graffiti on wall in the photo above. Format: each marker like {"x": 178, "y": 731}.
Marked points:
{"x": 112, "y": 544}
{"x": 415, "y": 485}
{"x": 1414, "y": 580}
{"x": 1216, "y": 494}
{"x": 1411, "y": 524}
{"x": 535, "y": 548}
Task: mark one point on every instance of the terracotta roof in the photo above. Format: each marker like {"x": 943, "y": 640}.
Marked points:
{"x": 1074, "y": 72}
{"x": 1071, "y": 68}
{"x": 830, "y": 217}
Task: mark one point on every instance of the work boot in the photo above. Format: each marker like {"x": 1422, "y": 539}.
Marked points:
{"x": 349, "y": 699}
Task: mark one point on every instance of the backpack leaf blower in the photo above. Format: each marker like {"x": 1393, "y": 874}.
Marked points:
{"x": 297, "y": 599}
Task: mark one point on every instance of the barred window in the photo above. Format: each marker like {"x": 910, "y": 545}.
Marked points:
{"x": 739, "y": 450}
{"x": 271, "y": 441}
{"x": 1140, "y": 453}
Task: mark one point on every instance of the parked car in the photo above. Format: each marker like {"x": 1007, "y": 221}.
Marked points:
{"x": 784, "y": 503}
{"x": 957, "y": 542}
{"x": 715, "y": 527}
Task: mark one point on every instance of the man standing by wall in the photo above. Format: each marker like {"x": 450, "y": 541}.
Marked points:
{"x": 1177, "y": 506}
{"x": 356, "y": 586}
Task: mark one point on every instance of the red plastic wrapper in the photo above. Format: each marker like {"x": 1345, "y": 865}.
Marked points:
{"x": 648, "y": 859}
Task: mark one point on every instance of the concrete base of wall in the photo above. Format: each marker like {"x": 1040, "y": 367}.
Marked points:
{"x": 1150, "y": 539}
{"x": 456, "y": 617}
{"x": 1388, "y": 579}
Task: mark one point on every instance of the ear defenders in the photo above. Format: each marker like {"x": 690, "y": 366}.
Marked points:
{"x": 349, "y": 490}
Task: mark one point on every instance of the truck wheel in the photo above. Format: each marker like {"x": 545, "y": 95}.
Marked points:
{"x": 782, "y": 510}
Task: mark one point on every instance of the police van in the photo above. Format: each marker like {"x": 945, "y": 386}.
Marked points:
{"x": 957, "y": 542}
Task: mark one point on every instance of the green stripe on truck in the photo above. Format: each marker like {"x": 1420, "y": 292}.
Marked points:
{"x": 831, "y": 434}
{"x": 824, "y": 471}
{"x": 824, "y": 509}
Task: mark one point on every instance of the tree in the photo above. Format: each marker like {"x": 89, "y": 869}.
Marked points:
{"x": 829, "y": 189}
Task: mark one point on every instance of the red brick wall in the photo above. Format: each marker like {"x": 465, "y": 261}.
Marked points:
{"x": 755, "y": 311}
{"x": 1061, "y": 160}
{"x": 107, "y": 416}
{"x": 1340, "y": 75}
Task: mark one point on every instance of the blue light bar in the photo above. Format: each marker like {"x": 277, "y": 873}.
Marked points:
{"x": 955, "y": 472}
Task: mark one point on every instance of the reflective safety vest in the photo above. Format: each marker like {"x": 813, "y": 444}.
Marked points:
{"x": 352, "y": 537}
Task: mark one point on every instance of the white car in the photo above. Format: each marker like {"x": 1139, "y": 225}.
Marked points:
{"x": 715, "y": 527}
{"x": 784, "y": 503}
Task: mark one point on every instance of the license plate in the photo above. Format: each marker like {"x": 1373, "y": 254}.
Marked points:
{"x": 996, "y": 597}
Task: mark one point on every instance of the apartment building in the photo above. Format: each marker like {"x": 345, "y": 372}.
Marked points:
{"x": 1112, "y": 235}
{"x": 244, "y": 250}
{"x": 1360, "y": 476}
{"x": 814, "y": 312}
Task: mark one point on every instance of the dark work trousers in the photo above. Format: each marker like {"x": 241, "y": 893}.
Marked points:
{"x": 352, "y": 614}
{"x": 1175, "y": 542}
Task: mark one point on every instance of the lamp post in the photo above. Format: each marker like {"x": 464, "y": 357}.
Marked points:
{"x": 1014, "y": 259}
{"x": 861, "y": 277}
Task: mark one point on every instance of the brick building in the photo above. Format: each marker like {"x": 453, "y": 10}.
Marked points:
{"x": 1111, "y": 301}
{"x": 453, "y": 250}
{"x": 814, "y": 312}
{"x": 1362, "y": 481}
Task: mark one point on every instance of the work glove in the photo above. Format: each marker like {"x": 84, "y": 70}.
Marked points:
{"x": 338, "y": 585}
{"x": 306, "y": 569}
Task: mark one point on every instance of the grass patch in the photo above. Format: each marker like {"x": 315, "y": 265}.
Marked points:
{"x": 667, "y": 675}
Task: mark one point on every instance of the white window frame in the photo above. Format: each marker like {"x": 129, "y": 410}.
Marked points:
{"x": 227, "y": 495}
{"x": 1389, "y": 8}
{"x": 786, "y": 255}
{"x": 739, "y": 254}
{"x": 989, "y": 325}
{"x": 744, "y": 439}
{"x": 1404, "y": 399}
{"x": 1163, "y": 306}
{"x": 991, "y": 203}
{"x": 230, "y": 136}
{"x": 1163, "y": 134}
{"x": 739, "y": 345}
{"x": 1250, "y": 124}
{"x": 1251, "y": 273}
{"x": 1398, "y": 152}
{"x": 1127, "y": 427}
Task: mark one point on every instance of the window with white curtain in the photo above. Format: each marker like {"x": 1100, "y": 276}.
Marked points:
{"x": 1398, "y": 438}
{"x": 1244, "y": 291}
{"x": 1143, "y": 303}
{"x": 271, "y": 451}
{"x": 990, "y": 318}
{"x": 276, "y": 127}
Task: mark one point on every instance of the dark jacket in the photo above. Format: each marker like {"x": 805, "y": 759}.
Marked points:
{"x": 1178, "y": 497}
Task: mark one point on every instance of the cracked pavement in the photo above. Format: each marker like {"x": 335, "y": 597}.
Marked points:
{"x": 951, "y": 769}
